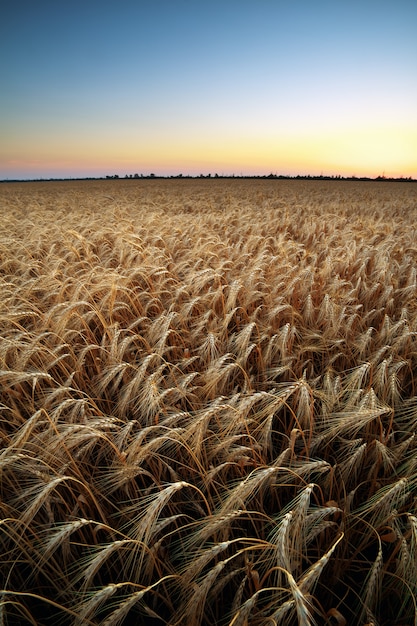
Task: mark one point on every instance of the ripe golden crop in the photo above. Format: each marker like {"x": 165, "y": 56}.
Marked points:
{"x": 208, "y": 402}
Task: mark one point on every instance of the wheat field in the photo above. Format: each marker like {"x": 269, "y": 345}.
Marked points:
{"x": 208, "y": 403}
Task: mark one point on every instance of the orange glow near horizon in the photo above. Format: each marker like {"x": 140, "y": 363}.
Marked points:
{"x": 295, "y": 144}
{"x": 360, "y": 152}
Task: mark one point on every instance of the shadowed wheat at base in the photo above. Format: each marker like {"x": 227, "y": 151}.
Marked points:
{"x": 208, "y": 403}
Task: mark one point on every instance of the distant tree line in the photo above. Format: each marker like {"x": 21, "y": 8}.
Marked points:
{"x": 269, "y": 176}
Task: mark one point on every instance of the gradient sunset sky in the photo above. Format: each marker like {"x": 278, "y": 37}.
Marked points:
{"x": 93, "y": 88}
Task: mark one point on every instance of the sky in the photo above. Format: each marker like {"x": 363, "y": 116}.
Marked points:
{"x": 96, "y": 88}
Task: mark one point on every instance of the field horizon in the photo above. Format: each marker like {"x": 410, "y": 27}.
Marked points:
{"x": 215, "y": 177}
{"x": 208, "y": 402}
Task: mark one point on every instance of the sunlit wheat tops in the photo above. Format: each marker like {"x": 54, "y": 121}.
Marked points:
{"x": 208, "y": 403}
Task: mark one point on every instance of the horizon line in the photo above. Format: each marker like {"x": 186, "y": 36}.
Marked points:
{"x": 216, "y": 176}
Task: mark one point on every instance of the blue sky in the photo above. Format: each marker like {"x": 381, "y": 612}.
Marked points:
{"x": 95, "y": 88}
